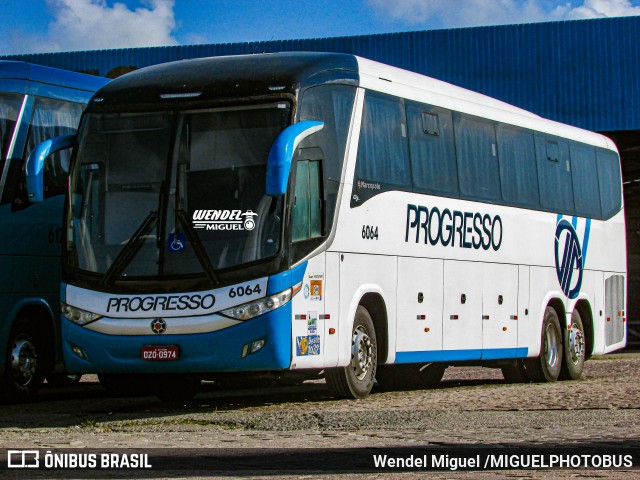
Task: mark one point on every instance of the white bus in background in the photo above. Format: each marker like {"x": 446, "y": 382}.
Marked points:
{"x": 322, "y": 212}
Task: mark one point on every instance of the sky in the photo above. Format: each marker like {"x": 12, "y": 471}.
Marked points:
{"x": 38, "y": 26}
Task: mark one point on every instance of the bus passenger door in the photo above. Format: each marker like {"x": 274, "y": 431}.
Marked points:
{"x": 499, "y": 311}
{"x": 462, "y": 315}
{"x": 419, "y": 336}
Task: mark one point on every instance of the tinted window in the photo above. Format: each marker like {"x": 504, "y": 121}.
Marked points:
{"x": 610, "y": 182}
{"x": 10, "y": 104}
{"x": 585, "y": 180}
{"x": 52, "y": 118}
{"x": 554, "y": 175}
{"x": 433, "y": 161}
{"x": 518, "y": 176}
{"x": 477, "y": 157}
{"x": 383, "y": 153}
{"x": 333, "y": 105}
{"x": 307, "y": 223}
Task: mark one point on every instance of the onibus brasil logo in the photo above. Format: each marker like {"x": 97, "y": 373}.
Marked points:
{"x": 570, "y": 254}
{"x": 224, "y": 219}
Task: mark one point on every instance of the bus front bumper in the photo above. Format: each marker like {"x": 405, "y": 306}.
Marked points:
{"x": 225, "y": 350}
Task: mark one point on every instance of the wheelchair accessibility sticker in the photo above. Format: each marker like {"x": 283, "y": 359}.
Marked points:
{"x": 176, "y": 242}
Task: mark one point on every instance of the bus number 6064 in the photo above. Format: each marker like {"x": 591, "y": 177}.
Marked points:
{"x": 369, "y": 232}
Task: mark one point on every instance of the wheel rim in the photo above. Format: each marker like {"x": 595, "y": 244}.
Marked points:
{"x": 576, "y": 344}
{"x": 24, "y": 361}
{"x": 361, "y": 353}
{"x": 551, "y": 346}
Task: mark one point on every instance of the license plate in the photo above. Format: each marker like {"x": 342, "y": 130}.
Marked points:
{"x": 161, "y": 353}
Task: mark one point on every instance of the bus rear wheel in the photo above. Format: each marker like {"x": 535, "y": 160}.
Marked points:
{"x": 546, "y": 366}
{"x": 26, "y": 363}
{"x": 356, "y": 379}
{"x": 574, "y": 349}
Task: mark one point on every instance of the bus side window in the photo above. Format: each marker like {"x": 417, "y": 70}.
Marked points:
{"x": 307, "y": 210}
{"x": 332, "y": 105}
{"x": 517, "y": 158}
{"x": 52, "y": 118}
{"x": 610, "y": 183}
{"x": 383, "y": 149}
{"x": 433, "y": 160}
{"x": 477, "y": 157}
{"x": 586, "y": 191}
{"x": 10, "y": 104}
{"x": 554, "y": 175}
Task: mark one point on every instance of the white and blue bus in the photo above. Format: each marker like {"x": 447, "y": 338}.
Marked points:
{"x": 309, "y": 212}
{"x": 35, "y": 103}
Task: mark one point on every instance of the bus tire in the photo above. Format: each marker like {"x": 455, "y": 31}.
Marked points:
{"x": 546, "y": 366}
{"x": 126, "y": 385}
{"x": 176, "y": 388}
{"x": 26, "y": 364}
{"x": 356, "y": 379}
{"x": 515, "y": 372}
{"x": 574, "y": 349}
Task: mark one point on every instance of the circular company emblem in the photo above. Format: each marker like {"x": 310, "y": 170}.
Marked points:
{"x": 158, "y": 325}
{"x": 569, "y": 261}
{"x": 249, "y": 222}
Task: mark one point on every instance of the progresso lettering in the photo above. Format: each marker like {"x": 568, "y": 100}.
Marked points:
{"x": 454, "y": 228}
{"x": 161, "y": 303}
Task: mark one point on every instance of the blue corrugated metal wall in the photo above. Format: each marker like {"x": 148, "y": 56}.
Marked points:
{"x": 581, "y": 72}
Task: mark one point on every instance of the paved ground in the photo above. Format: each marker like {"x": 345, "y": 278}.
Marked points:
{"x": 473, "y": 406}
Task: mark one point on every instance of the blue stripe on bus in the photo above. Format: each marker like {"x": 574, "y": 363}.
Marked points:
{"x": 461, "y": 355}
{"x": 283, "y": 280}
{"x": 585, "y": 244}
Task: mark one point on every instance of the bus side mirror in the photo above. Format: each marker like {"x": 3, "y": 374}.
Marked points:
{"x": 281, "y": 154}
{"x": 35, "y": 164}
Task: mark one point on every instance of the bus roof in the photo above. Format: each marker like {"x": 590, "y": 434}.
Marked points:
{"x": 10, "y": 70}
{"x": 253, "y": 76}
{"x": 230, "y": 76}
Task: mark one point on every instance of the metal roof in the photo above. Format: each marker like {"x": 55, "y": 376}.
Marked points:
{"x": 581, "y": 72}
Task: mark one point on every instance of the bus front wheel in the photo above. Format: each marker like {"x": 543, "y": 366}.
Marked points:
{"x": 25, "y": 364}
{"x": 356, "y": 379}
{"x": 546, "y": 366}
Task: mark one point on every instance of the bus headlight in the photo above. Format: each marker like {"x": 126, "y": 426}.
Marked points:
{"x": 247, "y": 311}
{"x": 77, "y": 315}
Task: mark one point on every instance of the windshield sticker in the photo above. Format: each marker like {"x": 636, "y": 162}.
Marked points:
{"x": 315, "y": 285}
{"x": 177, "y": 242}
{"x": 312, "y": 323}
{"x": 224, "y": 219}
{"x": 308, "y": 345}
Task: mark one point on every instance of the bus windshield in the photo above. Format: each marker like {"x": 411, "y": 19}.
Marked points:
{"x": 174, "y": 193}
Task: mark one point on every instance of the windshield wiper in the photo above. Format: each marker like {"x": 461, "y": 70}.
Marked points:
{"x": 199, "y": 250}
{"x": 131, "y": 248}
